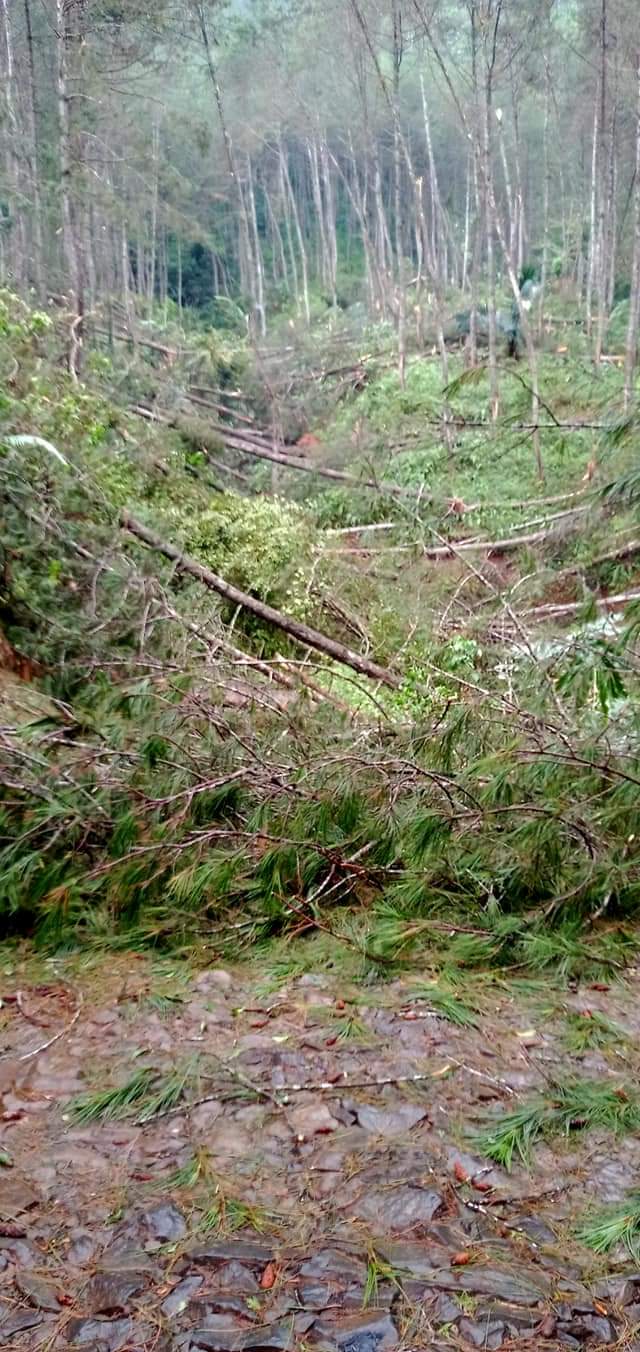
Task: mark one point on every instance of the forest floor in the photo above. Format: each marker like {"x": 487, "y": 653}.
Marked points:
{"x": 358, "y": 1214}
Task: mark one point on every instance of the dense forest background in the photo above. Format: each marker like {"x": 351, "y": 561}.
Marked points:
{"x": 283, "y": 155}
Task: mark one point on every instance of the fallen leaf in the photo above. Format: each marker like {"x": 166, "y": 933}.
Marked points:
{"x": 269, "y": 1276}
{"x": 481, "y": 1185}
{"x": 460, "y": 1172}
{"x": 461, "y": 1259}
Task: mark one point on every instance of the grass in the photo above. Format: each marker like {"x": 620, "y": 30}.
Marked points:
{"x": 619, "y": 1224}
{"x": 576, "y": 1106}
{"x": 378, "y": 1271}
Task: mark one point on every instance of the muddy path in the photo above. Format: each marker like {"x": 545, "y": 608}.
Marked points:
{"x": 356, "y": 1215}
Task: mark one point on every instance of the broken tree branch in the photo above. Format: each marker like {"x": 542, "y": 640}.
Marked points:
{"x": 301, "y": 633}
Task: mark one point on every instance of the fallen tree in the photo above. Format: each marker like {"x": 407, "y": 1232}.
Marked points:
{"x": 301, "y": 633}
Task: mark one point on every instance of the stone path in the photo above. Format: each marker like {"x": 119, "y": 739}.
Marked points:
{"x": 354, "y": 1217}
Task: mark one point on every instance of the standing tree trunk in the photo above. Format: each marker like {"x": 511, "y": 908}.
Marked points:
{"x": 16, "y": 250}
{"x": 67, "y": 36}
{"x": 631, "y": 355}
{"x": 34, "y": 165}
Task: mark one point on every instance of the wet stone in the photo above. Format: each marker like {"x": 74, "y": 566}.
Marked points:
{"x": 181, "y": 1296}
{"x": 373, "y": 1331}
{"x": 312, "y": 1120}
{"x": 444, "y": 1310}
{"x": 591, "y": 1329}
{"x": 20, "y": 1321}
{"x": 315, "y": 1295}
{"x": 166, "y": 1223}
{"x": 234, "y": 1276}
{"x": 110, "y": 1334}
{"x": 493, "y": 1282}
{"x": 482, "y": 1333}
{"x": 16, "y": 1197}
{"x": 81, "y": 1250}
{"x": 38, "y": 1292}
{"x": 280, "y": 1337}
{"x": 336, "y": 1262}
{"x": 391, "y": 1121}
{"x": 398, "y": 1208}
{"x": 109, "y": 1292}
{"x": 242, "y": 1250}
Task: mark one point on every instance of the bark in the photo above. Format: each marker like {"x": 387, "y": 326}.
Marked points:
{"x": 66, "y": 39}
{"x": 295, "y": 629}
{"x": 631, "y": 354}
{"x": 38, "y": 257}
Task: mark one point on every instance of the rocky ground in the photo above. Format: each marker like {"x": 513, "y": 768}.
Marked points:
{"x": 354, "y": 1215}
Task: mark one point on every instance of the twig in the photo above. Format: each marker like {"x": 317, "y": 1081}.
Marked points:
{"x": 44, "y": 1046}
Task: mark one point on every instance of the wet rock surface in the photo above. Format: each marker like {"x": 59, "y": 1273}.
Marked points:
{"x": 351, "y": 1216}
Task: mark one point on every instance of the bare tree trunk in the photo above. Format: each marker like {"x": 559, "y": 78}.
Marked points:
{"x": 299, "y": 236}
{"x": 330, "y": 208}
{"x": 285, "y": 207}
{"x": 257, "y": 254}
{"x": 397, "y": 183}
{"x": 34, "y": 155}
{"x": 593, "y": 216}
{"x": 72, "y": 248}
{"x": 546, "y": 196}
{"x": 155, "y": 157}
{"x": 631, "y": 355}
{"x": 487, "y": 174}
{"x": 464, "y": 279}
{"x": 16, "y": 250}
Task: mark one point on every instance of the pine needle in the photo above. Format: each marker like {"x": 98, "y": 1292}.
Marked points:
{"x": 619, "y": 1224}
{"x": 576, "y": 1106}
{"x": 110, "y": 1104}
{"x": 447, "y": 1005}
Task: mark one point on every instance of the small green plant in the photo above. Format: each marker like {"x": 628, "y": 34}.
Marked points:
{"x": 378, "y": 1270}
{"x": 619, "y": 1224}
{"x": 576, "y": 1106}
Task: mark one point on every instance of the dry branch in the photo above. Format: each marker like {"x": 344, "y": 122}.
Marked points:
{"x": 605, "y": 603}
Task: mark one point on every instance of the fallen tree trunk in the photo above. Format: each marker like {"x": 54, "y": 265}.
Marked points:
{"x": 249, "y": 444}
{"x": 605, "y": 603}
{"x": 450, "y": 551}
{"x": 302, "y": 633}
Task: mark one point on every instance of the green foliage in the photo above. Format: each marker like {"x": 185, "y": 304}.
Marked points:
{"x": 262, "y": 546}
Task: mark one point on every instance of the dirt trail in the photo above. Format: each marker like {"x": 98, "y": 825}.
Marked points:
{"x": 354, "y": 1217}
